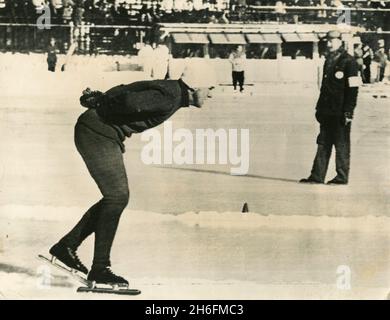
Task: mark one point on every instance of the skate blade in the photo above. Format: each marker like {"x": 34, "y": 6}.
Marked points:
{"x": 59, "y": 265}
{"x": 56, "y": 262}
{"x": 120, "y": 291}
{"x": 110, "y": 286}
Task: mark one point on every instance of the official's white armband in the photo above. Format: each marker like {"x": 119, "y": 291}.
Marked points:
{"x": 354, "y": 82}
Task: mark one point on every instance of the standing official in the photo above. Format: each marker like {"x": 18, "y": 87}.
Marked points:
{"x": 237, "y": 58}
{"x": 334, "y": 112}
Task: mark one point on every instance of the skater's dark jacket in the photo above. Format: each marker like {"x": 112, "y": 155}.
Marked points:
{"x": 339, "y": 89}
{"x": 136, "y": 107}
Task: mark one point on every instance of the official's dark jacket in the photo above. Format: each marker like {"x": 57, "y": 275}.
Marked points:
{"x": 136, "y": 107}
{"x": 340, "y": 84}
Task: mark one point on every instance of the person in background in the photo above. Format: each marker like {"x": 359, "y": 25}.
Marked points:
{"x": 358, "y": 55}
{"x": 367, "y": 59}
{"x": 237, "y": 58}
{"x": 52, "y": 55}
{"x": 161, "y": 57}
{"x": 67, "y": 12}
{"x": 380, "y": 58}
{"x": 145, "y": 55}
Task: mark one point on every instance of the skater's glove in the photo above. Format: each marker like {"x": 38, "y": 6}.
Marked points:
{"x": 348, "y": 116}
{"x": 90, "y": 99}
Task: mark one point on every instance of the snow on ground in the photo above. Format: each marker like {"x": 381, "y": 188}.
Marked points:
{"x": 207, "y": 255}
{"x": 183, "y": 235}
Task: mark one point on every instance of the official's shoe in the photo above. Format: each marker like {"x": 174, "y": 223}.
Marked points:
{"x": 310, "y": 181}
{"x": 68, "y": 256}
{"x": 337, "y": 181}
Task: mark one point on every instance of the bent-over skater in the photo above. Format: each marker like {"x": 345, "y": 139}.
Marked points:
{"x": 99, "y": 135}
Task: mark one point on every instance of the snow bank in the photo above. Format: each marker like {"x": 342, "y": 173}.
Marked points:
{"x": 215, "y": 220}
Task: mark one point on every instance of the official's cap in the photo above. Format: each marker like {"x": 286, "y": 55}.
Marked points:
{"x": 333, "y": 34}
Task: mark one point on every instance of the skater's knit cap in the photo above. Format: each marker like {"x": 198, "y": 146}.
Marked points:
{"x": 198, "y": 74}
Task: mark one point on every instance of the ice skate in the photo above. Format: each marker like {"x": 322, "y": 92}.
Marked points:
{"x": 68, "y": 257}
{"x": 105, "y": 281}
{"x": 105, "y": 276}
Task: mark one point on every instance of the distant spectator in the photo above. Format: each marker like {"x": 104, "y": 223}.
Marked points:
{"x": 280, "y": 10}
{"x": 167, "y": 6}
{"x": 322, "y": 13}
{"x": 358, "y": 55}
{"x": 145, "y": 15}
{"x": 52, "y": 55}
{"x": 67, "y": 13}
{"x": 213, "y": 19}
{"x": 122, "y": 14}
{"x": 146, "y": 57}
{"x": 224, "y": 17}
{"x": 198, "y": 5}
{"x": 381, "y": 58}
{"x": 160, "y": 61}
{"x": 237, "y": 58}
{"x": 367, "y": 59}
{"x": 179, "y": 5}
{"x": 78, "y": 14}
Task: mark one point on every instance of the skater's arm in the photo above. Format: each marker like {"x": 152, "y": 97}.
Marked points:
{"x": 135, "y": 102}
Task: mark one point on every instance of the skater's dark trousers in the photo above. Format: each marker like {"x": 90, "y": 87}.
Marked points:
{"x": 333, "y": 133}
{"x": 104, "y": 159}
{"x": 238, "y": 78}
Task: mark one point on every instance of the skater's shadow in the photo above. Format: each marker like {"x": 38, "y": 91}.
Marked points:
{"x": 252, "y": 176}
{"x": 9, "y": 268}
{"x": 56, "y": 280}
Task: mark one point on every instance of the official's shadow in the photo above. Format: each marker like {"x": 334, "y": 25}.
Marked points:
{"x": 252, "y": 176}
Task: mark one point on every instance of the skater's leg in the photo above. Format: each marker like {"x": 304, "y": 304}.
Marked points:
{"x": 104, "y": 161}
{"x": 85, "y": 227}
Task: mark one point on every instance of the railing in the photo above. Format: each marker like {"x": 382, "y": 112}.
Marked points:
{"x": 320, "y": 8}
{"x": 90, "y": 39}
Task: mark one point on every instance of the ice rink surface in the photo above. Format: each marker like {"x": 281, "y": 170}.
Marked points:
{"x": 183, "y": 235}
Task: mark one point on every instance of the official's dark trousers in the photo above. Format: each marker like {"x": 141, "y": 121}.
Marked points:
{"x": 238, "y": 77}
{"x": 332, "y": 133}
{"x": 104, "y": 160}
{"x": 51, "y": 66}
